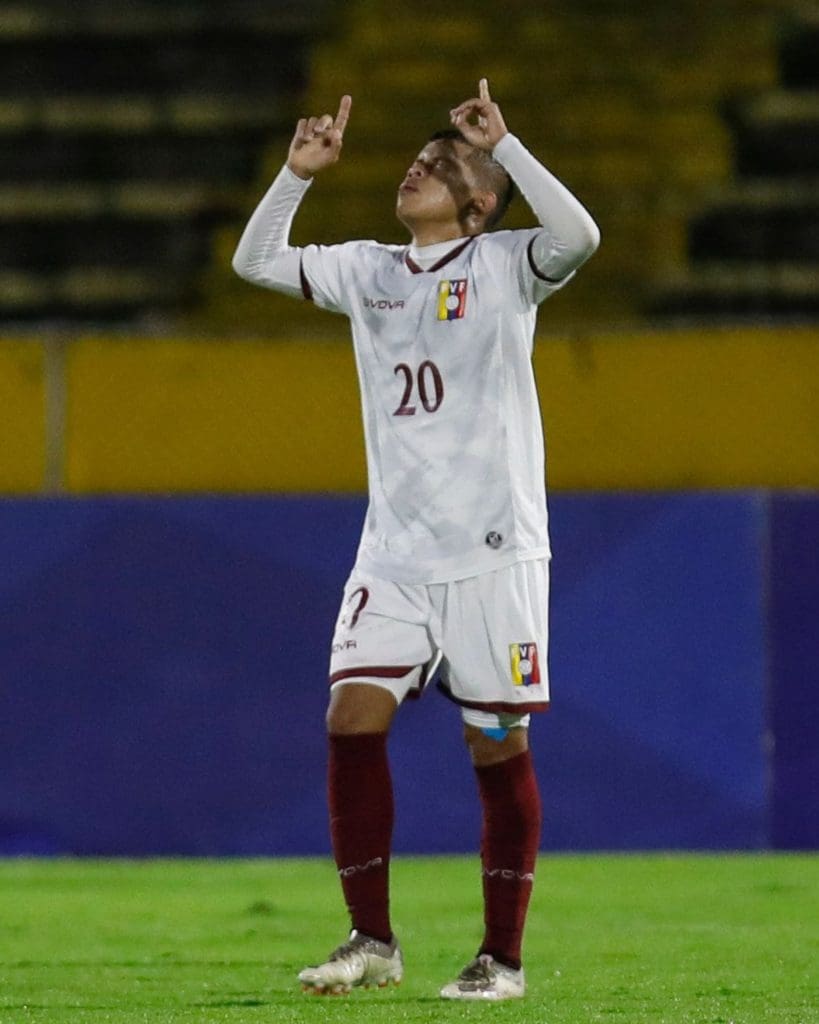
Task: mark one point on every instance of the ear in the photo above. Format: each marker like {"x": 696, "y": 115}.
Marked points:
{"x": 484, "y": 203}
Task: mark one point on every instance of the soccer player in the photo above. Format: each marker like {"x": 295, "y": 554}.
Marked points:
{"x": 451, "y": 573}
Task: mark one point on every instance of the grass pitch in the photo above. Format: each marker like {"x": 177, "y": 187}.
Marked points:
{"x": 632, "y": 939}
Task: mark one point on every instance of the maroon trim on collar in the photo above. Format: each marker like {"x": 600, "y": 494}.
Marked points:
{"x": 413, "y": 266}
{"x": 535, "y": 271}
{"x": 306, "y": 290}
{"x": 442, "y": 262}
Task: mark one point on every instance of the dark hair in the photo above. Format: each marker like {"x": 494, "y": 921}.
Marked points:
{"x": 496, "y": 177}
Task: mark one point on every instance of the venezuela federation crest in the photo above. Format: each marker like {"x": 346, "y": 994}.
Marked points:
{"x": 452, "y": 299}
{"x": 525, "y": 667}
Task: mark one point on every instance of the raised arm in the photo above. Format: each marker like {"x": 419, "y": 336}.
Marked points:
{"x": 570, "y": 235}
{"x": 264, "y": 255}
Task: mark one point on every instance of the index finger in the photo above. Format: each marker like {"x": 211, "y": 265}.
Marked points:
{"x": 343, "y": 114}
{"x": 483, "y": 89}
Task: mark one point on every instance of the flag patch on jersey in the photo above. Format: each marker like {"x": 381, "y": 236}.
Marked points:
{"x": 452, "y": 299}
{"x": 525, "y": 667}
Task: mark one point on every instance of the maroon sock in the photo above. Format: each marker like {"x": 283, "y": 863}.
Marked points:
{"x": 361, "y": 815}
{"x": 509, "y": 845}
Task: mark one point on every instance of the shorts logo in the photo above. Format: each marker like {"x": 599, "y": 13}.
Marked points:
{"x": 525, "y": 667}
{"x": 452, "y": 299}
{"x": 344, "y": 645}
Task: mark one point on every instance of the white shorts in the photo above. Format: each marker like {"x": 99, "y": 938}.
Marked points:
{"x": 488, "y": 634}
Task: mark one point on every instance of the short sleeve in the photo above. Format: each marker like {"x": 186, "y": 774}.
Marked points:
{"x": 512, "y": 251}
{"x": 325, "y": 274}
{"x": 535, "y": 283}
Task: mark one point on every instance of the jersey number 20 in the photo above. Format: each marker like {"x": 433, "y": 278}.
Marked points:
{"x": 430, "y": 387}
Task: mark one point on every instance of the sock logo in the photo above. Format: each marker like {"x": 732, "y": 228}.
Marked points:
{"x": 525, "y": 666}
{"x": 509, "y": 874}
{"x": 356, "y": 869}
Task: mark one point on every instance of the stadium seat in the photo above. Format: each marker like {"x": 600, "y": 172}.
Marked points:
{"x": 127, "y": 134}
{"x": 137, "y": 137}
{"x": 752, "y": 244}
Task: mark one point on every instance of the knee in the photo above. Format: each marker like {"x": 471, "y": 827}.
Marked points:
{"x": 342, "y": 719}
{"x": 359, "y": 708}
{"x": 486, "y": 750}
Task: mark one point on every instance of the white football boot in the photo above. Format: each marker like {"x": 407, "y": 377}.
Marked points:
{"x": 486, "y": 979}
{"x": 360, "y": 961}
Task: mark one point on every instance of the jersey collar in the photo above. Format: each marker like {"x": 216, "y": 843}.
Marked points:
{"x": 413, "y": 266}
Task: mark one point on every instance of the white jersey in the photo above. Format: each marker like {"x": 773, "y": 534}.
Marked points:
{"x": 454, "y": 439}
{"x": 451, "y": 419}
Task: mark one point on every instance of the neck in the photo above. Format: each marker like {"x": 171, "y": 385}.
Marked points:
{"x": 445, "y": 245}
{"x": 425, "y": 232}
{"x": 432, "y": 234}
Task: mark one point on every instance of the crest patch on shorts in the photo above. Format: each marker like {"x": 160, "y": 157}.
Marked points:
{"x": 525, "y": 667}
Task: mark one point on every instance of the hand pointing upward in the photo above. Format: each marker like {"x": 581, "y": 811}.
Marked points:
{"x": 317, "y": 141}
{"x": 479, "y": 119}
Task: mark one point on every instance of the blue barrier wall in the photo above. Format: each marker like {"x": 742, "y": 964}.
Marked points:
{"x": 794, "y": 657}
{"x": 163, "y": 678}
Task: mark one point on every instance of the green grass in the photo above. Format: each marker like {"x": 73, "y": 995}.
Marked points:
{"x": 627, "y": 939}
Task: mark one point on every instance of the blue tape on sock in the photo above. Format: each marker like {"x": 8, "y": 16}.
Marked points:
{"x": 496, "y": 734}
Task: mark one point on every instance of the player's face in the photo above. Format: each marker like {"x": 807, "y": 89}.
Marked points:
{"x": 439, "y": 186}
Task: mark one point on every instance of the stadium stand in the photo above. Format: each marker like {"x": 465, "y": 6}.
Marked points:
{"x": 754, "y": 246}
{"x": 623, "y": 101}
{"x": 127, "y": 134}
{"x": 137, "y": 137}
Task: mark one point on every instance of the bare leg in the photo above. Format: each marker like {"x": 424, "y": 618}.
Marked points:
{"x": 360, "y": 707}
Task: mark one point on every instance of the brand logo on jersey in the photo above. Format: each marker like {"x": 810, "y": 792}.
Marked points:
{"x": 452, "y": 299}
{"x": 387, "y": 304}
{"x": 525, "y": 667}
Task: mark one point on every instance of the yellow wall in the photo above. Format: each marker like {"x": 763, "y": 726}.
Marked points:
{"x": 688, "y": 409}
{"x": 176, "y": 415}
{"x": 707, "y": 408}
{"x": 22, "y": 417}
